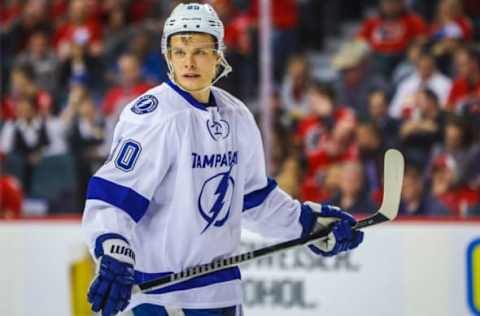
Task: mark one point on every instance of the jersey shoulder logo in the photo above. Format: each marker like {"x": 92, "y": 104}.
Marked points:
{"x": 218, "y": 130}
{"x": 215, "y": 200}
{"x": 146, "y": 104}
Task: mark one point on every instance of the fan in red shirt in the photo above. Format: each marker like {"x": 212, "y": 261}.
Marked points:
{"x": 130, "y": 86}
{"x": 327, "y": 135}
{"x": 451, "y": 22}
{"x": 82, "y": 28}
{"x": 393, "y": 29}
{"x": 11, "y": 195}
{"x": 237, "y": 26}
{"x": 465, "y": 90}
{"x": 10, "y": 12}
{"x": 450, "y": 29}
{"x": 456, "y": 196}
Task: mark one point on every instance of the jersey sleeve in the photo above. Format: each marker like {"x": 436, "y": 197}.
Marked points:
{"x": 119, "y": 194}
{"x": 267, "y": 209}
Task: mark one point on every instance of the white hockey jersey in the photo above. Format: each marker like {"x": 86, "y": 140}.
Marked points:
{"x": 181, "y": 180}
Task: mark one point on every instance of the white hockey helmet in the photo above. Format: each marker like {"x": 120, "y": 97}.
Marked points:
{"x": 195, "y": 18}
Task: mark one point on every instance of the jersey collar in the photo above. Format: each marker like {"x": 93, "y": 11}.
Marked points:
{"x": 190, "y": 99}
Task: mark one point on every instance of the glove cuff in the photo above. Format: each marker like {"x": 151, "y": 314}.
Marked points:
{"x": 115, "y": 246}
{"x": 120, "y": 250}
{"x": 307, "y": 219}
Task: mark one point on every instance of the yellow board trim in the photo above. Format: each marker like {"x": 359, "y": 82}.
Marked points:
{"x": 476, "y": 277}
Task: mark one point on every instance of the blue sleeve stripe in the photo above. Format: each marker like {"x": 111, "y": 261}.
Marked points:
{"x": 100, "y": 239}
{"x": 307, "y": 220}
{"x": 221, "y": 276}
{"x": 126, "y": 199}
{"x": 256, "y": 198}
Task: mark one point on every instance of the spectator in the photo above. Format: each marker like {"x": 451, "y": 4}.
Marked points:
{"x": 424, "y": 128}
{"x": 78, "y": 91}
{"x": 23, "y": 86}
{"x": 456, "y": 197}
{"x": 371, "y": 151}
{"x": 426, "y": 76}
{"x": 352, "y": 195}
{"x": 391, "y": 32}
{"x": 407, "y": 67}
{"x": 27, "y": 137}
{"x": 416, "y": 200}
{"x": 80, "y": 29}
{"x": 327, "y": 137}
{"x": 450, "y": 27}
{"x": 294, "y": 88}
{"x": 42, "y": 60}
{"x": 324, "y": 120}
{"x": 458, "y": 144}
{"x": 33, "y": 18}
{"x": 351, "y": 88}
{"x": 466, "y": 86}
{"x": 378, "y": 115}
{"x": 11, "y": 194}
{"x": 85, "y": 137}
{"x": 130, "y": 85}
{"x": 80, "y": 64}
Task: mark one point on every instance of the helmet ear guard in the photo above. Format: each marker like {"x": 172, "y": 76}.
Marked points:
{"x": 195, "y": 18}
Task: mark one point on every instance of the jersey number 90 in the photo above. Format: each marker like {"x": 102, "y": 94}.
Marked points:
{"x": 128, "y": 155}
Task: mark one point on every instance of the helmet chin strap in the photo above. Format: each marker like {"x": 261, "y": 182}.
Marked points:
{"x": 223, "y": 62}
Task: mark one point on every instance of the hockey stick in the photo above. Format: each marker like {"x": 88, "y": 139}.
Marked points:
{"x": 392, "y": 186}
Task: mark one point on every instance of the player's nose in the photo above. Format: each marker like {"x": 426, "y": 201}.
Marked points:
{"x": 190, "y": 61}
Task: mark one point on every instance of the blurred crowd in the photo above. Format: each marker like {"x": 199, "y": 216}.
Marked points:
{"x": 409, "y": 78}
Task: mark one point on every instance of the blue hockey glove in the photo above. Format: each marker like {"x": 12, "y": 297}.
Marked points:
{"x": 111, "y": 289}
{"x": 342, "y": 237}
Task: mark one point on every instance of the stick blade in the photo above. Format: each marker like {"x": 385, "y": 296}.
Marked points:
{"x": 393, "y": 170}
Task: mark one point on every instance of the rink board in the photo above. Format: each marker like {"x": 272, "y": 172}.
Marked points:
{"x": 406, "y": 268}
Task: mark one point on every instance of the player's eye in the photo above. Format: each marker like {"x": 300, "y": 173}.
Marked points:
{"x": 178, "y": 53}
{"x": 201, "y": 52}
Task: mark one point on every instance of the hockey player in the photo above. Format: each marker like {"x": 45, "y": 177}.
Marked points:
{"x": 185, "y": 173}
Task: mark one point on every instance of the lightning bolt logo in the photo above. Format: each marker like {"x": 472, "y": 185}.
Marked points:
{"x": 220, "y": 199}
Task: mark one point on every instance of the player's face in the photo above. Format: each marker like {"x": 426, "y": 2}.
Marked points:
{"x": 194, "y": 60}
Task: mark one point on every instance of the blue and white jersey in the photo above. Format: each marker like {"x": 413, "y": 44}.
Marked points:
{"x": 181, "y": 181}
